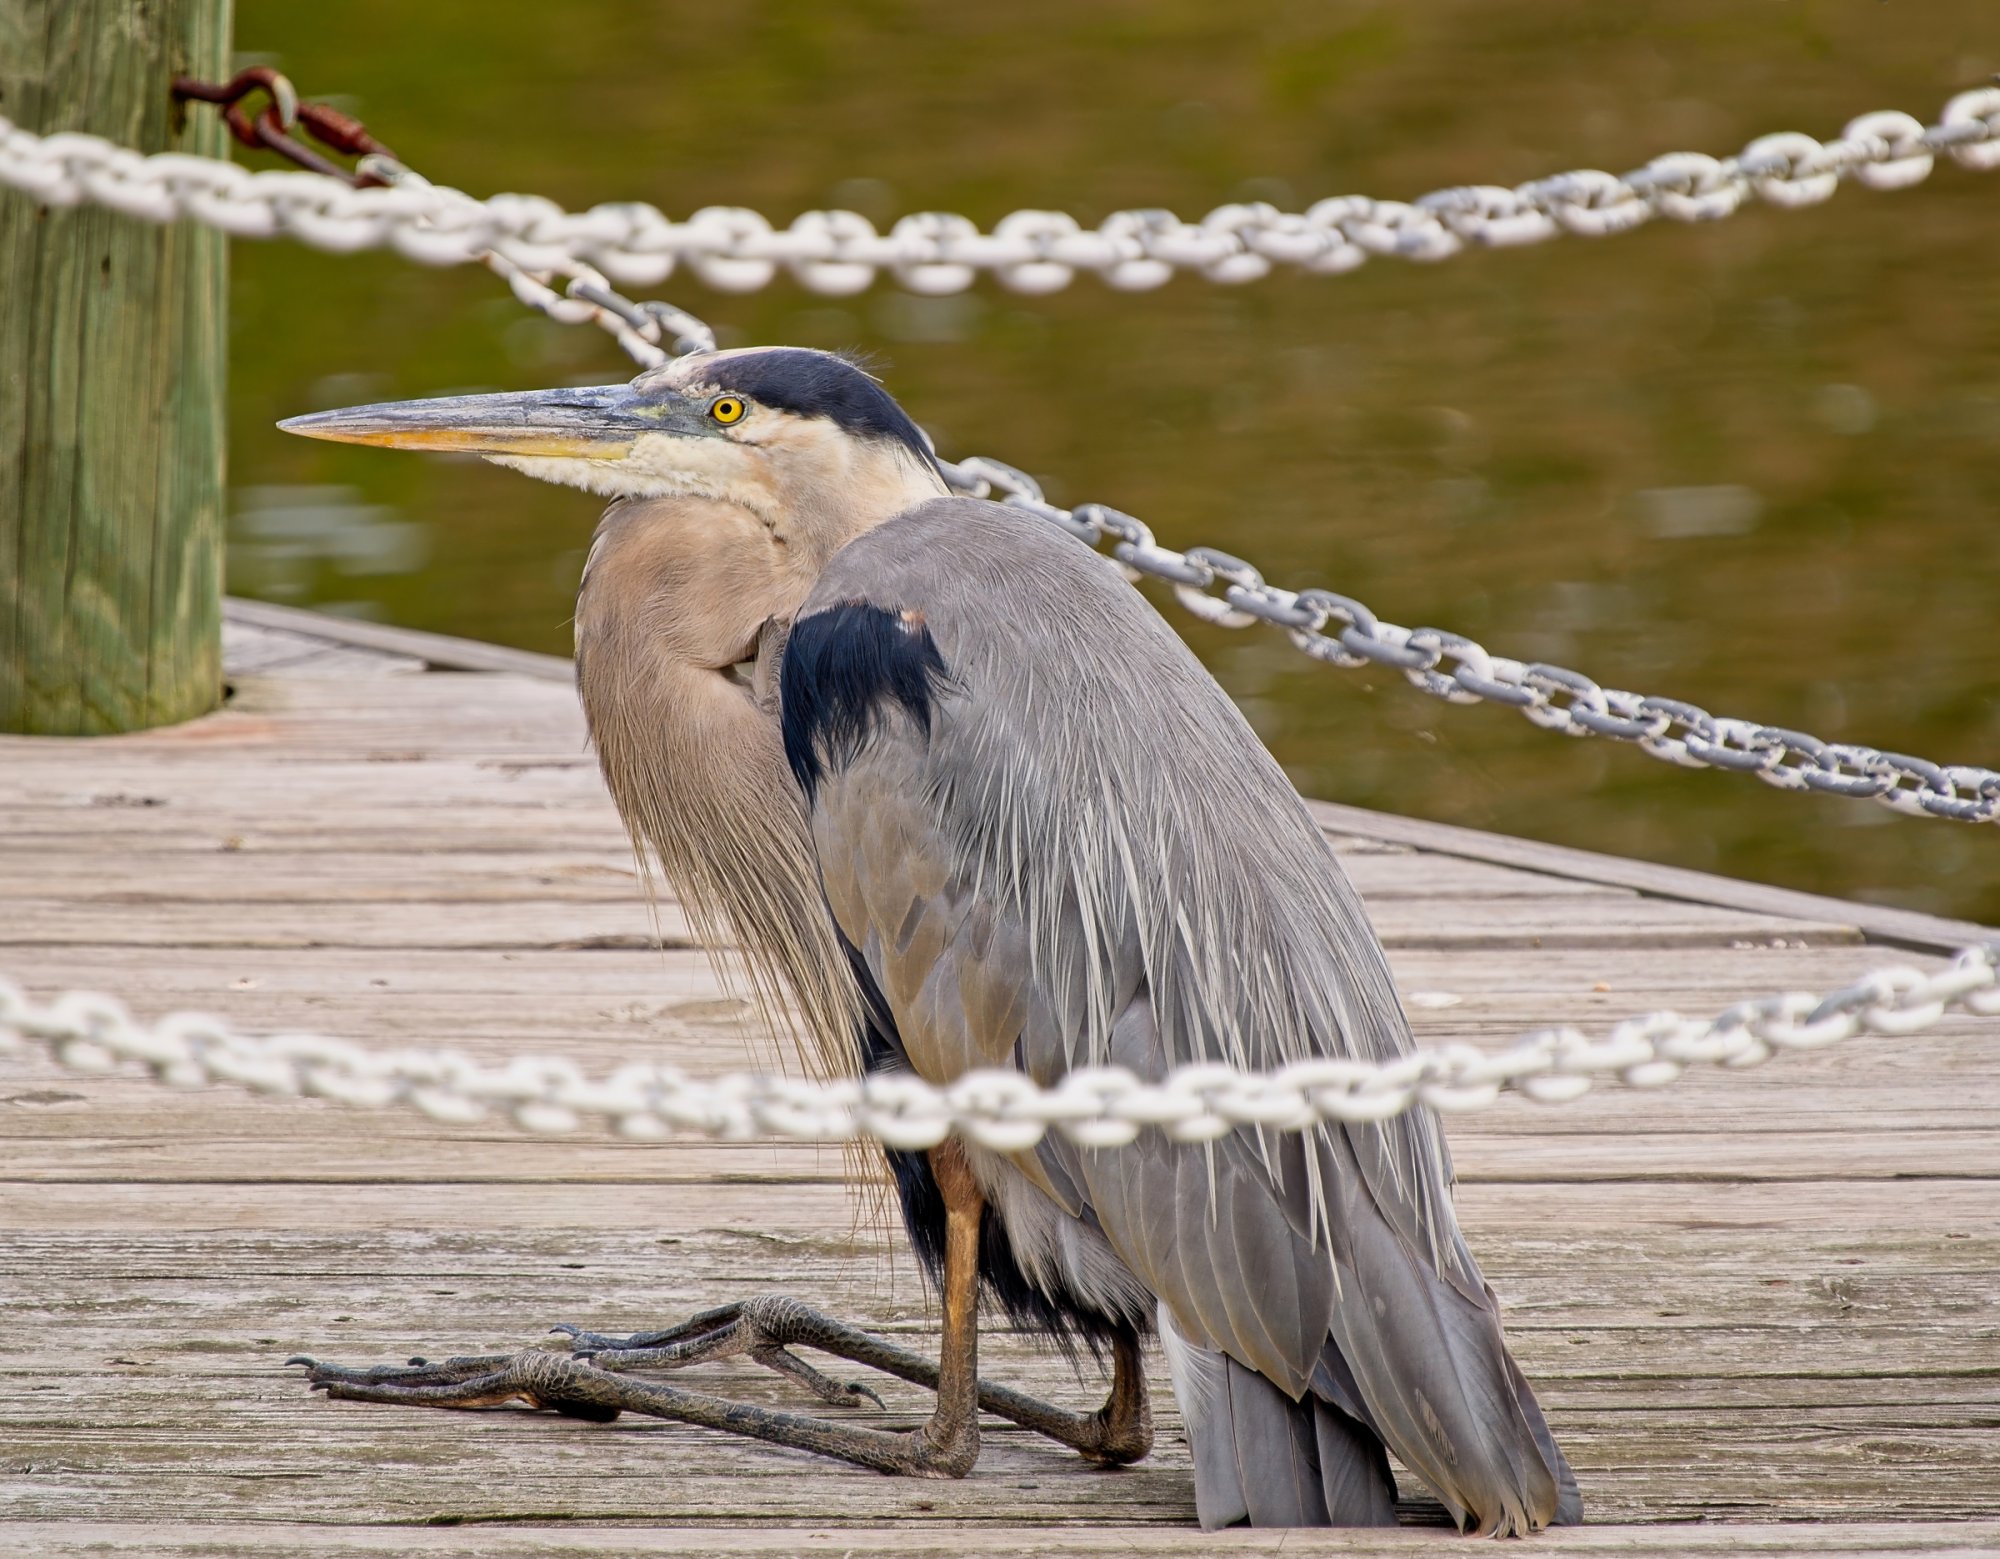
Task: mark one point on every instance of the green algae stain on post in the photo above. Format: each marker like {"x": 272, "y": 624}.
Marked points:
{"x": 111, "y": 381}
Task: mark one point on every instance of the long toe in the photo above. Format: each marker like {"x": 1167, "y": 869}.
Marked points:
{"x": 696, "y": 1335}
{"x": 583, "y": 1340}
{"x": 450, "y": 1372}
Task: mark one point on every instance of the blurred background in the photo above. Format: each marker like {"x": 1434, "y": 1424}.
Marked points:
{"x": 1754, "y": 465}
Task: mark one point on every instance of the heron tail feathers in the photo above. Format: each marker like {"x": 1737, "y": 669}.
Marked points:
{"x": 1261, "y": 1459}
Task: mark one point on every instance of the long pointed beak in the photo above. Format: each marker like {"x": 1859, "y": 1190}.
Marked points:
{"x": 598, "y": 422}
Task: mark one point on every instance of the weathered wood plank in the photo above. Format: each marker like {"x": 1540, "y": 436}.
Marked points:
{"x": 1577, "y": 981}
{"x": 321, "y": 1151}
{"x": 1530, "y": 1210}
{"x": 1881, "y": 922}
{"x": 518, "y": 923}
{"x": 245, "y": 1448}
{"x": 383, "y": 639}
{"x": 248, "y": 651}
{"x": 1741, "y": 1305}
{"x": 208, "y": 1539}
{"x": 587, "y": 873}
{"x": 60, "y": 772}
{"x": 529, "y": 923}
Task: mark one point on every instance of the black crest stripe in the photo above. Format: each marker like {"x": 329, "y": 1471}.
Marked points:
{"x": 819, "y": 384}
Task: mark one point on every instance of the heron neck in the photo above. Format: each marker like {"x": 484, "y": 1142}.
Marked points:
{"x": 854, "y": 488}
{"x": 698, "y": 773}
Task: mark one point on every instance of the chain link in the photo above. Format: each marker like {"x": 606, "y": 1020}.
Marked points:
{"x": 1094, "y": 1106}
{"x": 841, "y": 252}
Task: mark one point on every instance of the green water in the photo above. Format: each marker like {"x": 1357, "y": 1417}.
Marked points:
{"x": 1753, "y": 464}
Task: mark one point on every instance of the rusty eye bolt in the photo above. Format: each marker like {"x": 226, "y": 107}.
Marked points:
{"x": 271, "y": 130}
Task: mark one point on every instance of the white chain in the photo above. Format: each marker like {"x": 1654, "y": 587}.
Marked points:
{"x": 533, "y": 244}
{"x": 1007, "y": 1111}
{"x": 839, "y": 252}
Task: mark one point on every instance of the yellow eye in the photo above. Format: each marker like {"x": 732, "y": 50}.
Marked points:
{"x": 726, "y": 410}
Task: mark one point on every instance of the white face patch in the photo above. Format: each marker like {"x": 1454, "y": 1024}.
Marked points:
{"x": 805, "y": 479}
{"x": 658, "y": 465}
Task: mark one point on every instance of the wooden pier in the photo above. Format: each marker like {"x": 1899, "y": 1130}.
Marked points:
{"x": 1761, "y": 1307}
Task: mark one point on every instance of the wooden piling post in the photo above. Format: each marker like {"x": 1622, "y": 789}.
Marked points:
{"x": 111, "y": 385}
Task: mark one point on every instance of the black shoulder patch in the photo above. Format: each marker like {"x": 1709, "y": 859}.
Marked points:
{"x": 819, "y": 384}
{"x": 840, "y": 668}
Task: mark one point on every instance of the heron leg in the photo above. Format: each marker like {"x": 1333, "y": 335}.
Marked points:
{"x": 945, "y": 1445}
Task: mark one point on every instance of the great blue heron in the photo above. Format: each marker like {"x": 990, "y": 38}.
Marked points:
{"x": 955, "y": 789}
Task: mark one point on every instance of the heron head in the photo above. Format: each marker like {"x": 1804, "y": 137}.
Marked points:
{"x": 801, "y": 439}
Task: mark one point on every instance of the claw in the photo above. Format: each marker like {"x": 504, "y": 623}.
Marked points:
{"x": 584, "y": 1343}
{"x": 856, "y": 1389}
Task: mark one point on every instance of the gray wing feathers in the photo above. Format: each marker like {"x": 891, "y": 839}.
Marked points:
{"x": 1093, "y": 860}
